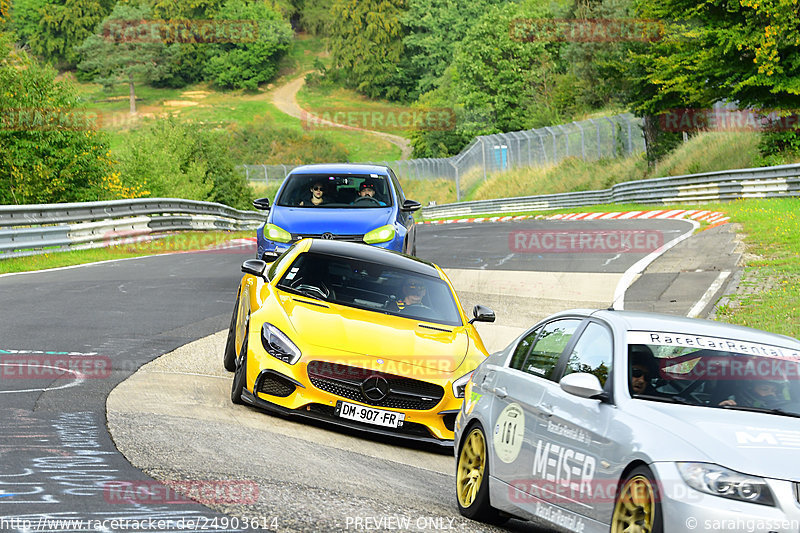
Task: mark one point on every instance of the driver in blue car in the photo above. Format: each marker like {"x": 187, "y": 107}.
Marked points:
{"x": 367, "y": 190}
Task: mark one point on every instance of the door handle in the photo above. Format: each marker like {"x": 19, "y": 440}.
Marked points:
{"x": 500, "y": 392}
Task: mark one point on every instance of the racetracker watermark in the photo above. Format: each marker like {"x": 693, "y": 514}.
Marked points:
{"x": 144, "y": 242}
{"x": 585, "y": 241}
{"x": 730, "y": 368}
{"x": 585, "y": 30}
{"x": 387, "y": 120}
{"x": 361, "y": 368}
{"x": 678, "y": 120}
{"x": 60, "y": 119}
{"x": 180, "y": 31}
{"x": 567, "y": 486}
{"x": 54, "y": 365}
{"x": 207, "y": 492}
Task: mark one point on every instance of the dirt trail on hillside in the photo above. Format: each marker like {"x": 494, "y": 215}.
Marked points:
{"x": 285, "y": 99}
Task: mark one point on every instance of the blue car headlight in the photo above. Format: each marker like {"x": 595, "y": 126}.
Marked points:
{"x": 720, "y": 481}
{"x": 381, "y": 234}
{"x": 276, "y": 233}
{"x": 278, "y": 345}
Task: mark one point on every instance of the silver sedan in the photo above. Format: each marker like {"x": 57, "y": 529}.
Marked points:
{"x": 634, "y": 421}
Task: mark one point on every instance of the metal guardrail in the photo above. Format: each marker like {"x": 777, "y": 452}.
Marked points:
{"x": 766, "y": 182}
{"x": 30, "y": 229}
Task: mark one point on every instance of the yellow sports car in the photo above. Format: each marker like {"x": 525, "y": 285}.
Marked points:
{"x": 354, "y": 335}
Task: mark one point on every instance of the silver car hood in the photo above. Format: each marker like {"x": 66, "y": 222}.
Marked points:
{"x": 752, "y": 443}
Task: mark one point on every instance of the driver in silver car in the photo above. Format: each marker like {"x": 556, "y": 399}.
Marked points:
{"x": 643, "y": 370}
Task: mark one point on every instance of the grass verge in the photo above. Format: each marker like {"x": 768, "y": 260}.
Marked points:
{"x": 177, "y": 242}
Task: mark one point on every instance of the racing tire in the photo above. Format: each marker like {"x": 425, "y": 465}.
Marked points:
{"x": 637, "y": 506}
{"x": 472, "y": 479}
{"x": 229, "y": 357}
{"x": 240, "y": 376}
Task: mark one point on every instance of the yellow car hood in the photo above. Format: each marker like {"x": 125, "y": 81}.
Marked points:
{"x": 379, "y": 336}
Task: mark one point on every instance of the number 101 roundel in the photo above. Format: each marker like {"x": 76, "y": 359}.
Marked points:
{"x": 636, "y": 422}
{"x": 356, "y": 336}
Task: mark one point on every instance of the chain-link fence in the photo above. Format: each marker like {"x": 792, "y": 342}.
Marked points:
{"x": 591, "y": 139}
{"x": 266, "y": 173}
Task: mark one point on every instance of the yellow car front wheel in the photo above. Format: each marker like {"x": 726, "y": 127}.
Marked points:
{"x": 472, "y": 479}
{"x": 637, "y": 509}
{"x": 240, "y": 375}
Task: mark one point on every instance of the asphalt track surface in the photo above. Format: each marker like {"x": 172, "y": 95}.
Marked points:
{"x": 59, "y": 461}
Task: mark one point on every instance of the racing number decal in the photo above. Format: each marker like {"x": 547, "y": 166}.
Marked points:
{"x": 508, "y": 433}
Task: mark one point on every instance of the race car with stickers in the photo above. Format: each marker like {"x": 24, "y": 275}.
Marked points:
{"x": 637, "y": 422}
{"x": 356, "y": 336}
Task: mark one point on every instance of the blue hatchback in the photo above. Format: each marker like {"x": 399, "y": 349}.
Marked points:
{"x": 346, "y": 202}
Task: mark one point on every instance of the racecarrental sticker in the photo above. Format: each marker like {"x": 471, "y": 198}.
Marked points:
{"x": 710, "y": 343}
{"x": 508, "y": 433}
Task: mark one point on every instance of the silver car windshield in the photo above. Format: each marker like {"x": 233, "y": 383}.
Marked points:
{"x": 711, "y": 372}
{"x": 371, "y": 286}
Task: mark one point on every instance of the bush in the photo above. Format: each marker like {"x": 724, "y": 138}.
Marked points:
{"x": 179, "y": 160}
{"x": 259, "y": 144}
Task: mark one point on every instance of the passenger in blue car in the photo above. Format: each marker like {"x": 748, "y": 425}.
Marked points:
{"x": 317, "y": 195}
{"x": 366, "y": 194}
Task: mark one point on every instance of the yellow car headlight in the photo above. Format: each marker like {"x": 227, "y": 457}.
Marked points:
{"x": 460, "y": 385}
{"x": 278, "y": 344}
{"x": 381, "y": 234}
{"x": 277, "y": 233}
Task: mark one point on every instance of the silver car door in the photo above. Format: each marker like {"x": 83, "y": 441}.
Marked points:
{"x": 507, "y": 429}
{"x": 525, "y": 388}
{"x": 572, "y": 448}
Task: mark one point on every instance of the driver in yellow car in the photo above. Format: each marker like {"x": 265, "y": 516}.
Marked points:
{"x": 412, "y": 294}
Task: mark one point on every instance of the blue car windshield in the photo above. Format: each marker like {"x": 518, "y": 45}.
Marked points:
{"x": 352, "y": 191}
{"x": 372, "y": 286}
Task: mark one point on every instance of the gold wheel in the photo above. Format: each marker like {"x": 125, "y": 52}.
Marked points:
{"x": 471, "y": 467}
{"x": 634, "y": 511}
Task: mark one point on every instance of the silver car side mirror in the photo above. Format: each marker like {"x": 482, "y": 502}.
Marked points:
{"x": 581, "y": 384}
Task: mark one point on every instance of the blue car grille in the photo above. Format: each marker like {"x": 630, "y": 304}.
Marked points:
{"x": 333, "y": 236}
{"x": 345, "y": 381}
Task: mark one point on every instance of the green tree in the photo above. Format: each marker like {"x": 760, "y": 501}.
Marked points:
{"x": 253, "y": 60}
{"x": 433, "y": 28}
{"x": 49, "y": 150}
{"x": 366, "y": 43}
{"x": 314, "y": 16}
{"x": 747, "y": 51}
{"x": 119, "y": 50}
{"x": 497, "y": 82}
{"x": 63, "y": 25}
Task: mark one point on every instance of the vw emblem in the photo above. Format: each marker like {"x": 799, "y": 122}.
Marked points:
{"x": 375, "y": 388}
{"x": 327, "y": 235}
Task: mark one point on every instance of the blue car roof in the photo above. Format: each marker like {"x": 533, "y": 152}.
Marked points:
{"x": 340, "y": 168}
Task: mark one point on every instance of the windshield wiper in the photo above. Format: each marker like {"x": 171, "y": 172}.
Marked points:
{"x": 769, "y": 410}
